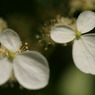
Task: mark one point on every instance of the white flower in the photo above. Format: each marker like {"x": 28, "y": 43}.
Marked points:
{"x": 84, "y": 44}
{"x": 30, "y": 68}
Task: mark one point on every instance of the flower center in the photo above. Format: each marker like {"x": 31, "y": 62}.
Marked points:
{"x": 78, "y": 35}
{"x": 11, "y": 55}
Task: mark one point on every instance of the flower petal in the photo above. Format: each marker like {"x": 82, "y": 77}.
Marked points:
{"x": 31, "y": 70}
{"x": 86, "y": 21}
{"x": 62, "y": 34}
{"x": 10, "y": 40}
{"x": 84, "y": 53}
{"x": 5, "y": 70}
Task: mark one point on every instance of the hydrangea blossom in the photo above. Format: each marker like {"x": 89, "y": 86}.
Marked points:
{"x": 84, "y": 44}
{"x": 30, "y": 68}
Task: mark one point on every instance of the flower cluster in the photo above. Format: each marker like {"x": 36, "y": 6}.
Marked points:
{"x": 43, "y": 36}
{"x": 29, "y": 68}
{"x": 76, "y": 5}
{"x": 83, "y": 43}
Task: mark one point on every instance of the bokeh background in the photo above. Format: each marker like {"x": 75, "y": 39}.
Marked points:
{"x": 32, "y": 20}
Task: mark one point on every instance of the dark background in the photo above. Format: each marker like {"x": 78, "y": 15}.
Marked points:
{"x": 25, "y": 17}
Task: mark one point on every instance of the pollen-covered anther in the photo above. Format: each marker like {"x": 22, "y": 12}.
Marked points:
{"x": 3, "y": 52}
{"x": 64, "y": 44}
{"x": 49, "y": 43}
{"x": 45, "y": 48}
{"x": 24, "y": 47}
{"x": 37, "y": 36}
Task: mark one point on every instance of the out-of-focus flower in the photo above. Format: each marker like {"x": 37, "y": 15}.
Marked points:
{"x": 81, "y": 5}
{"x": 3, "y": 24}
{"x": 84, "y": 44}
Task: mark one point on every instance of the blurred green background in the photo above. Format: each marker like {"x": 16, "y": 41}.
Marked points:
{"x": 27, "y": 18}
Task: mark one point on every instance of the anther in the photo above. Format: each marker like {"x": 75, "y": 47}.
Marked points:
{"x": 24, "y": 47}
{"x": 46, "y": 48}
{"x": 26, "y": 43}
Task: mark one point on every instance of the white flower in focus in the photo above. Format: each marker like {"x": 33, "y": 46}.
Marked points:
{"x": 30, "y": 68}
{"x": 84, "y": 44}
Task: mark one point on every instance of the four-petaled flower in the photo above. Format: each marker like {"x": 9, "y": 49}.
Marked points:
{"x": 84, "y": 44}
{"x": 30, "y": 68}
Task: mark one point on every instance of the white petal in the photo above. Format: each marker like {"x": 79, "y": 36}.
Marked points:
{"x": 10, "y": 40}
{"x": 84, "y": 53}
{"x": 31, "y": 70}
{"x": 86, "y": 21}
{"x": 62, "y": 34}
{"x": 5, "y": 70}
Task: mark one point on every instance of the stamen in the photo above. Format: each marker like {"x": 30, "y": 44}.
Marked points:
{"x": 26, "y": 43}
{"x": 6, "y": 53}
{"x": 45, "y": 48}
{"x": 3, "y": 52}
{"x": 24, "y": 47}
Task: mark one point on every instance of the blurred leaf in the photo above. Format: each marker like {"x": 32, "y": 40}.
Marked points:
{"x": 74, "y": 82}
